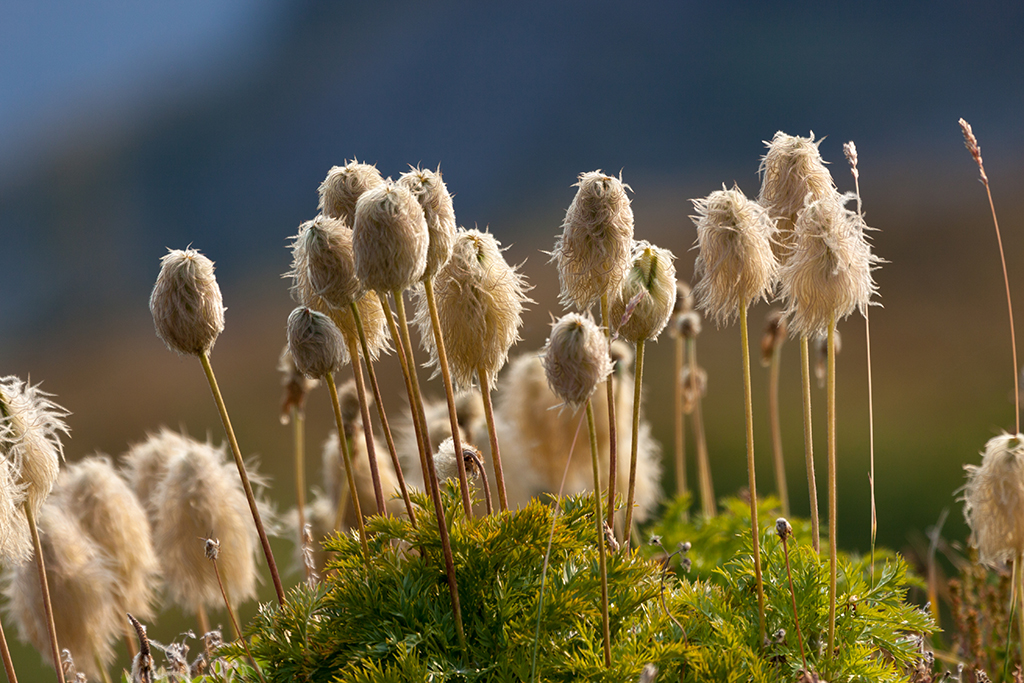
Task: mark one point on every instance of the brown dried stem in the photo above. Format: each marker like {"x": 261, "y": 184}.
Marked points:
{"x": 751, "y": 475}
{"x": 680, "y": 422}
{"x": 613, "y": 471}
{"x": 638, "y": 372}
{"x": 492, "y": 433}
{"x": 364, "y": 412}
{"x": 45, "y": 588}
{"x": 707, "y": 490}
{"x": 776, "y": 428}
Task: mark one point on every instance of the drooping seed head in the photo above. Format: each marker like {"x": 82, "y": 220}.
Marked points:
{"x": 480, "y": 300}
{"x": 592, "y": 253}
{"x": 323, "y": 266}
{"x": 576, "y": 358}
{"x": 774, "y": 335}
{"x": 736, "y": 264}
{"x": 390, "y": 239}
{"x": 341, "y": 189}
{"x": 790, "y": 170}
{"x": 432, "y": 195}
{"x": 648, "y": 293}
{"x": 187, "y": 307}
{"x": 296, "y": 386}
{"x": 994, "y": 500}
{"x": 315, "y": 342}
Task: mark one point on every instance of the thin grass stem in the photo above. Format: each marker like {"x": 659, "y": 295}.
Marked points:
{"x": 678, "y": 418}
{"x": 792, "y": 595}
{"x": 347, "y": 459}
{"x": 298, "y": 442}
{"x": 832, "y": 502}
{"x": 364, "y": 412}
{"x": 603, "y": 568}
{"x": 234, "y": 620}
{"x": 773, "y": 414}
{"x": 492, "y": 433}
{"x": 709, "y": 505}
{"x": 751, "y": 474}
{"x": 12, "y": 677}
{"x": 45, "y": 589}
{"x": 812, "y": 485}
{"x": 613, "y": 470}
{"x": 638, "y": 372}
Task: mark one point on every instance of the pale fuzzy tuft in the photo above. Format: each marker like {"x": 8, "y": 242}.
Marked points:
{"x": 828, "y": 270}
{"x": 480, "y": 300}
{"x": 186, "y": 303}
{"x": 323, "y": 265}
{"x": 336, "y": 482}
{"x": 576, "y": 358}
{"x": 592, "y": 253}
{"x": 375, "y": 325}
{"x": 390, "y": 239}
{"x": 341, "y": 189}
{"x": 469, "y": 411}
{"x": 145, "y": 463}
{"x": 296, "y": 385}
{"x": 736, "y": 264}
{"x": 432, "y": 194}
{"x": 315, "y": 342}
{"x": 994, "y": 500}
{"x": 648, "y": 293}
{"x": 200, "y": 496}
{"x": 82, "y": 587}
{"x": 695, "y": 386}
{"x": 15, "y": 541}
{"x": 112, "y": 515}
{"x": 447, "y": 467}
{"x": 790, "y": 170}
{"x": 30, "y": 429}
{"x": 690, "y": 325}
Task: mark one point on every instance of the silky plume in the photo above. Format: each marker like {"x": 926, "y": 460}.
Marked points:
{"x": 792, "y": 169}
{"x": 341, "y": 189}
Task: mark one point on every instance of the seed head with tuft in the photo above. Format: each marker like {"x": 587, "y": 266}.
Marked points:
{"x": 994, "y": 500}
{"x": 323, "y": 266}
{"x": 145, "y": 463}
{"x": 390, "y": 239}
{"x": 186, "y": 303}
{"x": 648, "y": 293}
{"x": 430, "y": 191}
{"x": 576, "y": 358}
{"x": 790, "y": 170}
{"x": 447, "y": 466}
{"x": 315, "y": 342}
{"x": 341, "y": 189}
{"x": 15, "y": 542}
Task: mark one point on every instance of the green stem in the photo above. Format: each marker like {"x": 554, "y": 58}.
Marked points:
{"x": 492, "y": 432}
{"x": 832, "y": 502}
{"x": 364, "y": 412}
{"x": 599, "y": 517}
{"x": 773, "y": 412}
{"x": 44, "y": 587}
{"x": 871, "y": 445}
{"x": 638, "y": 373}
{"x": 298, "y": 433}
{"x": 812, "y": 485}
{"x": 613, "y": 468}
{"x": 751, "y": 475}
{"x": 792, "y": 594}
{"x": 234, "y": 623}
{"x": 707, "y": 489}
{"x": 680, "y": 423}
{"x": 347, "y": 459}
{"x": 1020, "y": 611}
{"x": 204, "y": 358}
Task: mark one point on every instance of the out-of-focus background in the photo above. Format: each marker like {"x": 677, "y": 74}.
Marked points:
{"x": 128, "y": 128}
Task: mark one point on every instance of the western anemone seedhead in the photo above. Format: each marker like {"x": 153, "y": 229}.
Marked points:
{"x": 994, "y": 500}
{"x": 790, "y": 170}
{"x": 110, "y": 513}
{"x": 15, "y": 543}
{"x": 323, "y": 266}
{"x": 145, "y": 463}
{"x": 186, "y": 303}
{"x": 736, "y": 264}
{"x": 828, "y": 270}
{"x": 341, "y": 189}
{"x": 480, "y": 300}
{"x": 375, "y": 325}
{"x": 648, "y": 293}
{"x": 390, "y": 238}
{"x": 576, "y": 358}
{"x": 432, "y": 194}
{"x": 315, "y": 342}
{"x": 592, "y": 253}
{"x": 30, "y": 429}
{"x": 447, "y": 467}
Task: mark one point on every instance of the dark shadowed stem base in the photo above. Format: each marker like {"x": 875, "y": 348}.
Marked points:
{"x": 347, "y": 457}
{"x": 45, "y": 588}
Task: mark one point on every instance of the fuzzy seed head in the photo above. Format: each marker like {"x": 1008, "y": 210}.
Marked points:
{"x": 145, "y": 464}
{"x": 341, "y": 189}
{"x": 315, "y": 342}
{"x": 790, "y": 170}
{"x": 828, "y": 270}
{"x": 736, "y": 264}
{"x": 390, "y": 239}
{"x": 994, "y": 500}
{"x": 593, "y": 251}
{"x": 15, "y": 542}
{"x": 447, "y": 466}
{"x": 480, "y": 300}
{"x": 375, "y": 325}
{"x": 186, "y": 303}
{"x": 576, "y": 358}
{"x": 323, "y": 266}
{"x": 648, "y": 293}
{"x": 783, "y": 529}
{"x": 430, "y": 191}
{"x": 690, "y": 325}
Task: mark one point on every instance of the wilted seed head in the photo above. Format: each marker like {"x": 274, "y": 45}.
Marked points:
{"x": 432, "y": 194}
{"x": 211, "y": 548}
{"x": 186, "y": 303}
{"x": 110, "y": 513}
{"x": 390, "y": 239}
{"x": 575, "y": 358}
{"x": 82, "y": 591}
{"x": 828, "y": 270}
{"x": 480, "y": 302}
{"x": 790, "y": 170}
{"x": 695, "y": 386}
{"x": 736, "y": 263}
{"x": 592, "y": 253}
{"x": 30, "y": 429}
{"x": 683, "y": 303}
{"x": 774, "y": 335}
{"x": 648, "y": 294}
{"x": 315, "y": 342}
{"x": 145, "y": 463}
{"x": 689, "y": 325}
{"x": 323, "y": 266}
{"x": 994, "y": 500}
{"x": 296, "y": 385}
{"x": 341, "y": 189}
{"x": 447, "y": 467}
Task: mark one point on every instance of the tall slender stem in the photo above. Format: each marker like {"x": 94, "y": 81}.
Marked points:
{"x": 613, "y": 468}
{"x": 202, "y": 618}
{"x": 492, "y": 432}
{"x": 449, "y": 392}
{"x": 776, "y": 427}
{"x": 364, "y": 412}
{"x": 792, "y": 594}
{"x": 204, "y": 358}
{"x": 812, "y": 485}
{"x": 347, "y": 459}
{"x": 605, "y": 627}
{"x": 44, "y": 587}
{"x": 680, "y": 422}
{"x": 1020, "y": 611}
{"x": 638, "y": 373}
{"x": 234, "y": 622}
{"x": 832, "y": 504}
{"x": 707, "y": 489}
{"x": 298, "y": 440}
{"x": 871, "y": 444}
{"x": 12, "y": 677}
{"x": 751, "y": 475}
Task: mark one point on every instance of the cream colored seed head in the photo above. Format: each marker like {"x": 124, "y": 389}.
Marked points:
{"x": 447, "y": 466}
{"x": 375, "y": 325}
{"x": 652, "y": 278}
{"x": 341, "y": 189}
{"x": 592, "y": 253}
{"x": 736, "y": 264}
{"x": 390, "y": 239}
{"x": 994, "y": 500}
{"x": 480, "y": 300}
{"x": 15, "y": 542}
{"x": 145, "y": 463}
{"x": 315, "y": 342}
{"x": 827, "y": 274}
{"x": 790, "y": 170}
{"x": 576, "y": 358}
{"x": 432, "y": 194}
{"x": 186, "y": 303}
{"x": 323, "y": 266}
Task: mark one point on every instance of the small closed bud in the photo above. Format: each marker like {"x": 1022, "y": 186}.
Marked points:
{"x": 296, "y": 386}
{"x": 390, "y": 239}
{"x": 323, "y": 266}
{"x": 783, "y": 529}
{"x": 689, "y": 325}
{"x": 791, "y": 170}
{"x": 315, "y": 342}
{"x": 576, "y": 358}
{"x": 774, "y": 335}
{"x": 432, "y": 194}
{"x": 648, "y": 293}
{"x": 341, "y": 189}
{"x": 186, "y": 303}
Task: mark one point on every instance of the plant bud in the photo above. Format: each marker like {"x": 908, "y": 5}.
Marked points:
{"x": 791, "y": 170}
{"x": 315, "y": 342}
{"x": 647, "y": 295}
{"x": 323, "y": 266}
{"x": 341, "y": 189}
{"x": 390, "y": 239}
{"x": 432, "y": 194}
{"x": 186, "y": 303}
{"x": 576, "y": 358}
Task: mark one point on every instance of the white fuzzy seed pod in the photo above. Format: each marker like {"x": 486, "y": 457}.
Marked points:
{"x": 432, "y": 195}
{"x": 390, "y": 239}
{"x": 650, "y": 289}
{"x": 790, "y": 170}
{"x": 315, "y": 342}
{"x": 576, "y": 358}
{"x": 323, "y": 266}
{"x": 341, "y": 189}
{"x": 994, "y": 500}
{"x": 186, "y": 303}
